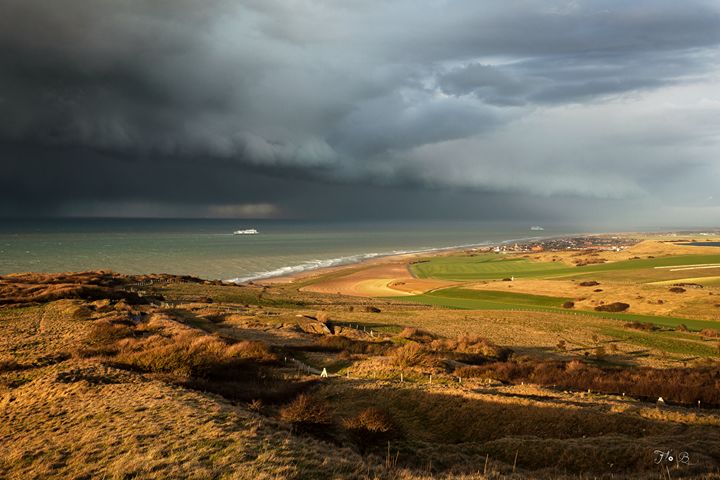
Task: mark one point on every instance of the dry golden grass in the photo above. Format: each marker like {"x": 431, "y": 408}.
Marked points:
{"x": 64, "y": 415}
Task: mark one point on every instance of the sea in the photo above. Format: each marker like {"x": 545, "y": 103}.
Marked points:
{"x": 208, "y": 249}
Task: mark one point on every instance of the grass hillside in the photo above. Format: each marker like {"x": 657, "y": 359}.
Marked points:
{"x": 112, "y": 376}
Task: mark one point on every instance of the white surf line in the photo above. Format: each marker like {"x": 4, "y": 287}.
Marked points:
{"x": 704, "y": 265}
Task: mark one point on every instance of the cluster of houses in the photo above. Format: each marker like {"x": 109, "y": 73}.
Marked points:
{"x": 615, "y": 244}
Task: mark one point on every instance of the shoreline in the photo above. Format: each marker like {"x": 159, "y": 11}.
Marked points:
{"x": 577, "y": 241}
{"x": 387, "y": 258}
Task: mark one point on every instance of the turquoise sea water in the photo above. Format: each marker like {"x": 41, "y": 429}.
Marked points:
{"x": 207, "y": 248}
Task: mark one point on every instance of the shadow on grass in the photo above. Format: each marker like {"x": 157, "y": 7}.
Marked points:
{"x": 454, "y": 433}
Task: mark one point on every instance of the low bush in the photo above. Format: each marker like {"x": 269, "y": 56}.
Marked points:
{"x": 306, "y": 412}
{"x": 647, "y": 326}
{"x": 104, "y": 332}
{"x": 684, "y": 386}
{"x": 191, "y": 356}
{"x": 569, "y": 304}
{"x": 252, "y": 350}
{"x": 410, "y": 355}
{"x": 370, "y": 426}
{"x": 710, "y": 332}
{"x": 416, "y": 335}
{"x": 677, "y": 290}
{"x": 208, "y": 363}
{"x": 613, "y": 307}
{"x": 589, "y": 283}
{"x": 469, "y": 349}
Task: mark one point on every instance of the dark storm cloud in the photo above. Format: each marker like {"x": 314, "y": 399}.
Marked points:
{"x": 249, "y": 103}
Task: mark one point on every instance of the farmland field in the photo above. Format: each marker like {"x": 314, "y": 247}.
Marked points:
{"x": 494, "y": 267}
{"x": 466, "y": 299}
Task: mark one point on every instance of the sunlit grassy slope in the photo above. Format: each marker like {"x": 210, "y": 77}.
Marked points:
{"x": 467, "y": 299}
{"x": 494, "y": 266}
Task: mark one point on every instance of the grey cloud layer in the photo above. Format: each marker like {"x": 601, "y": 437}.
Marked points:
{"x": 599, "y": 99}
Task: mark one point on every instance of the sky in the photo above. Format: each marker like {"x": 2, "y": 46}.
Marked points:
{"x": 556, "y": 111}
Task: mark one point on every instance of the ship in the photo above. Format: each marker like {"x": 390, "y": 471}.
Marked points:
{"x": 536, "y": 228}
{"x": 247, "y": 231}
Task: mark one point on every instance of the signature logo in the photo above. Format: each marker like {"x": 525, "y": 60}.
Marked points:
{"x": 669, "y": 456}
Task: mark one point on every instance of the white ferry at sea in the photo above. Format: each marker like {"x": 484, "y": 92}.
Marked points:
{"x": 247, "y": 231}
{"x": 536, "y": 228}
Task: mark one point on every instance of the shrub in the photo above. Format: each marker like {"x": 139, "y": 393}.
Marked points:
{"x": 568, "y": 304}
{"x": 677, "y": 290}
{"x": 252, "y": 350}
{"x": 469, "y": 348}
{"x": 187, "y": 356}
{"x": 685, "y": 386}
{"x": 589, "y": 283}
{"x": 647, "y": 326}
{"x": 306, "y": 411}
{"x": 409, "y": 355}
{"x": 682, "y": 328}
{"x": 417, "y": 335}
{"x": 710, "y": 332}
{"x": 371, "y": 309}
{"x": 104, "y": 332}
{"x": 370, "y": 426}
{"x": 613, "y": 307}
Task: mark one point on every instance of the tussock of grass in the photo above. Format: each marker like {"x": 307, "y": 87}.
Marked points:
{"x": 370, "y": 426}
{"x": 411, "y": 355}
{"x": 417, "y": 335}
{"x": 469, "y": 349}
{"x": 8, "y": 364}
{"x": 306, "y": 411}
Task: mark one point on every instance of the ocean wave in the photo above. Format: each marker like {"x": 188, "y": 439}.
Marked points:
{"x": 339, "y": 261}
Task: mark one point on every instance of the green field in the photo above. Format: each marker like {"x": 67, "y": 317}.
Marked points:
{"x": 466, "y": 299}
{"x": 495, "y": 267}
{"x": 672, "y": 342}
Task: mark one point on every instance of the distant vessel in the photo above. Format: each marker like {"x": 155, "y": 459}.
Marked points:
{"x": 247, "y": 231}
{"x": 536, "y": 228}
